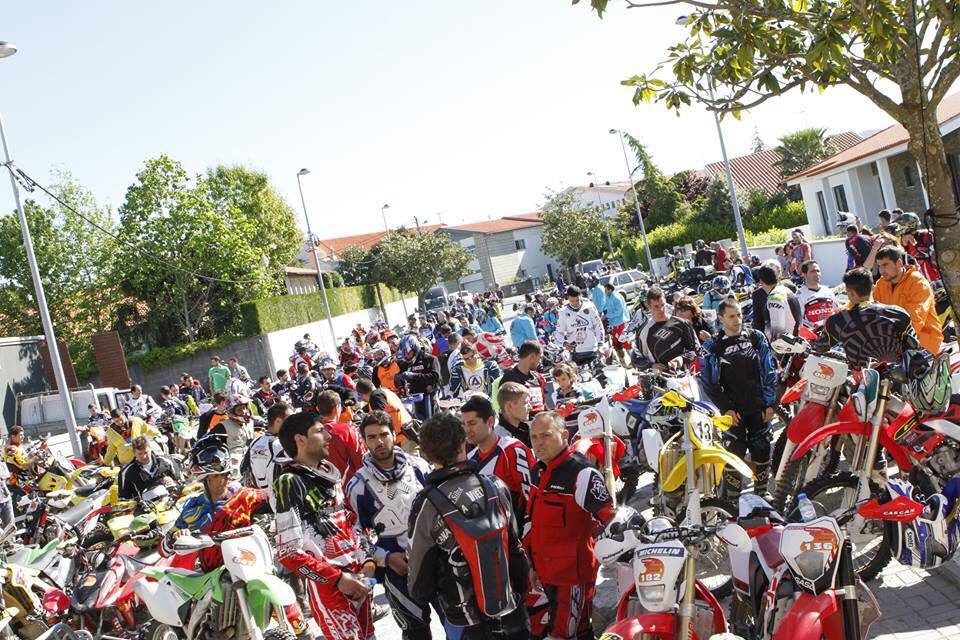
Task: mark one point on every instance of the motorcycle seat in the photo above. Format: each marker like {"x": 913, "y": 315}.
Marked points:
{"x": 85, "y": 490}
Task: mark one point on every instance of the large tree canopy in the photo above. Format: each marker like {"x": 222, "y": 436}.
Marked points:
{"x": 900, "y": 54}
{"x": 571, "y": 233}
{"x": 414, "y": 262}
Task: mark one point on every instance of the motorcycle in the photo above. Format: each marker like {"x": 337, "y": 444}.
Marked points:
{"x": 822, "y": 384}
{"x": 661, "y": 598}
{"x": 155, "y": 512}
{"x": 236, "y": 598}
{"x": 787, "y": 583}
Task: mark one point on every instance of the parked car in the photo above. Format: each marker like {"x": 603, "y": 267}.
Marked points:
{"x": 599, "y": 265}
{"x": 434, "y": 298}
{"x": 627, "y": 283}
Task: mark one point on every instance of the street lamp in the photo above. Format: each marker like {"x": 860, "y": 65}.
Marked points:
{"x": 7, "y": 49}
{"x": 731, "y": 186}
{"x": 636, "y": 200}
{"x": 383, "y": 212}
{"x": 313, "y": 247}
{"x": 606, "y": 223}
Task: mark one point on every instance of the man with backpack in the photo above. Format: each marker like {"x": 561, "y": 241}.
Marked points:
{"x": 740, "y": 376}
{"x": 569, "y": 500}
{"x": 465, "y": 551}
{"x": 381, "y": 494}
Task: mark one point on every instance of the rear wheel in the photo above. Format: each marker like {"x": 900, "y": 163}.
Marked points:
{"x": 870, "y": 538}
{"x": 160, "y": 631}
{"x": 100, "y": 537}
{"x": 713, "y": 565}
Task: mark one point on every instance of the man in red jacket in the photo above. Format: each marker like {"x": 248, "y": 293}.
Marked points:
{"x": 346, "y": 448}
{"x": 568, "y": 504}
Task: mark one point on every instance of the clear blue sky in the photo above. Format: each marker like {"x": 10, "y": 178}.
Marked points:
{"x": 469, "y": 110}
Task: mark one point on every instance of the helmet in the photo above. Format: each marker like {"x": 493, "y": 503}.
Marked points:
{"x": 931, "y": 539}
{"x": 410, "y": 347}
{"x": 699, "y": 244}
{"x": 327, "y": 363}
{"x": 928, "y": 385}
{"x": 844, "y": 220}
{"x": 654, "y": 526}
{"x": 380, "y": 353}
{"x": 907, "y": 223}
{"x": 210, "y": 456}
{"x": 594, "y": 281}
{"x": 721, "y": 284}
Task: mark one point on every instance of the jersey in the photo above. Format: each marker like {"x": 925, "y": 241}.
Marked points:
{"x": 738, "y": 372}
{"x": 382, "y": 498}
{"x": 923, "y": 251}
{"x": 262, "y": 463}
{"x": 581, "y": 326}
{"x": 661, "y": 342}
{"x": 317, "y": 536}
{"x": 512, "y": 462}
{"x": 869, "y": 331}
{"x": 782, "y": 313}
{"x": 535, "y": 383}
{"x": 816, "y": 305}
{"x": 16, "y": 458}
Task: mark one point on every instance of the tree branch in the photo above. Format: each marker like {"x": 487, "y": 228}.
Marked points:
{"x": 941, "y": 85}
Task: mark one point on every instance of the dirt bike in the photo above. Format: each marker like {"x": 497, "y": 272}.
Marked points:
{"x": 661, "y": 598}
{"x": 820, "y": 394}
{"x": 155, "y": 511}
{"x": 236, "y": 598}
{"x": 796, "y": 581}
{"x": 690, "y": 469}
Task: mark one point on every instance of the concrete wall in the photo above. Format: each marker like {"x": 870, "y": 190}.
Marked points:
{"x": 264, "y": 354}
{"x": 532, "y": 258}
{"x": 504, "y": 258}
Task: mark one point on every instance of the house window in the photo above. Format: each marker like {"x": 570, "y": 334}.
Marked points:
{"x": 840, "y": 196}
{"x": 908, "y": 175}
{"x": 822, "y": 203}
{"x": 520, "y": 244}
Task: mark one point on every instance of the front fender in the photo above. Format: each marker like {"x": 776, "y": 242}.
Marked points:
{"x": 829, "y": 430}
{"x": 808, "y": 419}
{"x": 811, "y": 618}
{"x": 659, "y": 624}
{"x": 701, "y": 457}
{"x": 264, "y": 591}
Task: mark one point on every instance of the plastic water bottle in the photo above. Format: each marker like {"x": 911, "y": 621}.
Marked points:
{"x": 370, "y": 583}
{"x": 807, "y": 510}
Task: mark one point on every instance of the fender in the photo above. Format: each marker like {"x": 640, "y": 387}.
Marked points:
{"x": 794, "y": 393}
{"x": 707, "y": 455}
{"x": 264, "y": 591}
{"x": 811, "y": 618}
{"x": 860, "y": 428}
{"x": 661, "y": 624}
{"x": 808, "y": 419}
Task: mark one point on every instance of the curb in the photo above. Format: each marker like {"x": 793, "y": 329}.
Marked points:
{"x": 951, "y": 571}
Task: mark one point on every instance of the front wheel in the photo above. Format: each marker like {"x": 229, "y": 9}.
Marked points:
{"x": 871, "y": 539}
{"x": 713, "y": 565}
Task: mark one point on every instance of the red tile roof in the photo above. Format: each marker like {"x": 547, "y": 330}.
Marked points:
{"x": 333, "y": 246}
{"x": 758, "y": 171}
{"x": 889, "y": 138}
{"x": 500, "y": 225}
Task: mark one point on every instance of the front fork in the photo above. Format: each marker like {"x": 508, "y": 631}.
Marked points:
{"x": 864, "y": 457}
{"x": 686, "y": 617}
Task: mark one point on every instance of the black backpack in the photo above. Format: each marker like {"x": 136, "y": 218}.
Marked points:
{"x": 483, "y": 540}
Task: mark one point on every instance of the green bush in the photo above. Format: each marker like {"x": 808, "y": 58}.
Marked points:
{"x": 164, "y": 356}
{"x": 281, "y": 312}
{"x": 783, "y": 216}
{"x": 768, "y": 237}
{"x": 332, "y": 279}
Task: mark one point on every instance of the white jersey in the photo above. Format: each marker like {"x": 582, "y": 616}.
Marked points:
{"x": 582, "y": 326}
{"x": 816, "y": 306}
{"x": 265, "y": 455}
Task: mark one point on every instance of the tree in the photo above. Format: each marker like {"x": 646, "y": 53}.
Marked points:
{"x": 187, "y": 255}
{"x": 275, "y": 234}
{"x": 73, "y": 257}
{"x": 356, "y": 265}
{"x": 414, "y": 262}
{"x": 756, "y": 51}
{"x": 803, "y": 149}
{"x": 571, "y": 234}
{"x": 757, "y": 145}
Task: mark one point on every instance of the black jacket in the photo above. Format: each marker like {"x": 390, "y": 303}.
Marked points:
{"x": 422, "y": 375}
{"x": 134, "y": 479}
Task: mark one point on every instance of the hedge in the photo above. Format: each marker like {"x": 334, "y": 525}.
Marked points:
{"x": 282, "y": 312}
{"x": 164, "y": 356}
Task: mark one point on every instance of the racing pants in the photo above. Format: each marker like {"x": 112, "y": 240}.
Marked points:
{"x": 412, "y": 618}
{"x": 513, "y": 626}
{"x": 585, "y": 357}
{"x": 571, "y": 608}
{"x": 338, "y": 617}
{"x": 751, "y": 434}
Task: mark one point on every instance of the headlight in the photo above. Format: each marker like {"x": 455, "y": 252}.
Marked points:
{"x": 811, "y": 564}
{"x": 653, "y": 593}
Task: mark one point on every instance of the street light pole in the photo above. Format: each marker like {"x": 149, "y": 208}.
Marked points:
{"x": 383, "y": 212}
{"x": 606, "y": 223}
{"x": 313, "y": 247}
{"x": 636, "y": 201}
{"x": 6, "y": 50}
{"x": 731, "y": 185}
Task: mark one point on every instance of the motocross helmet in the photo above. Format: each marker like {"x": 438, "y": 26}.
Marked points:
{"x": 410, "y": 347}
{"x": 928, "y": 386}
{"x": 932, "y": 538}
{"x": 721, "y": 284}
{"x": 844, "y": 220}
{"x": 380, "y": 353}
{"x": 906, "y": 223}
{"x": 654, "y": 526}
{"x": 210, "y": 456}
{"x": 699, "y": 244}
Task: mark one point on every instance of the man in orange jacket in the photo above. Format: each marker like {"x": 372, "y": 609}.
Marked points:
{"x": 905, "y": 287}
{"x": 384, "y": 399}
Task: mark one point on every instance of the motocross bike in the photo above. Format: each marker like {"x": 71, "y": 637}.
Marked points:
{"x": 661, "y": 598}
{"x": 155, "y": 511}
{"x": 821, "y": 392}
{"x": 787, "y": 584}
{"x": 690, "y": 467}
{"x": 236, "y": 598}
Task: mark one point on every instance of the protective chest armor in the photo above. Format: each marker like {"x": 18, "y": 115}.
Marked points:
{"x": 392, "y": 502}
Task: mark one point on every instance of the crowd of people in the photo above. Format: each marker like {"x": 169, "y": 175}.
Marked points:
{"x": 468, "y": 513}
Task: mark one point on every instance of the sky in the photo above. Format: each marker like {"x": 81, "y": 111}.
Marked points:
{"x": 449, "y": 111}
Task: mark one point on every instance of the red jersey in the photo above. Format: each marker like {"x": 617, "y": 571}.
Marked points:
{"x": 922, "y": 251}
{"x": 511, "y": 461}
{"x": 346, "y": 449}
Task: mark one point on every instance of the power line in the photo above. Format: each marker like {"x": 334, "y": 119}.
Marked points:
{"x": 29, "y": 184}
